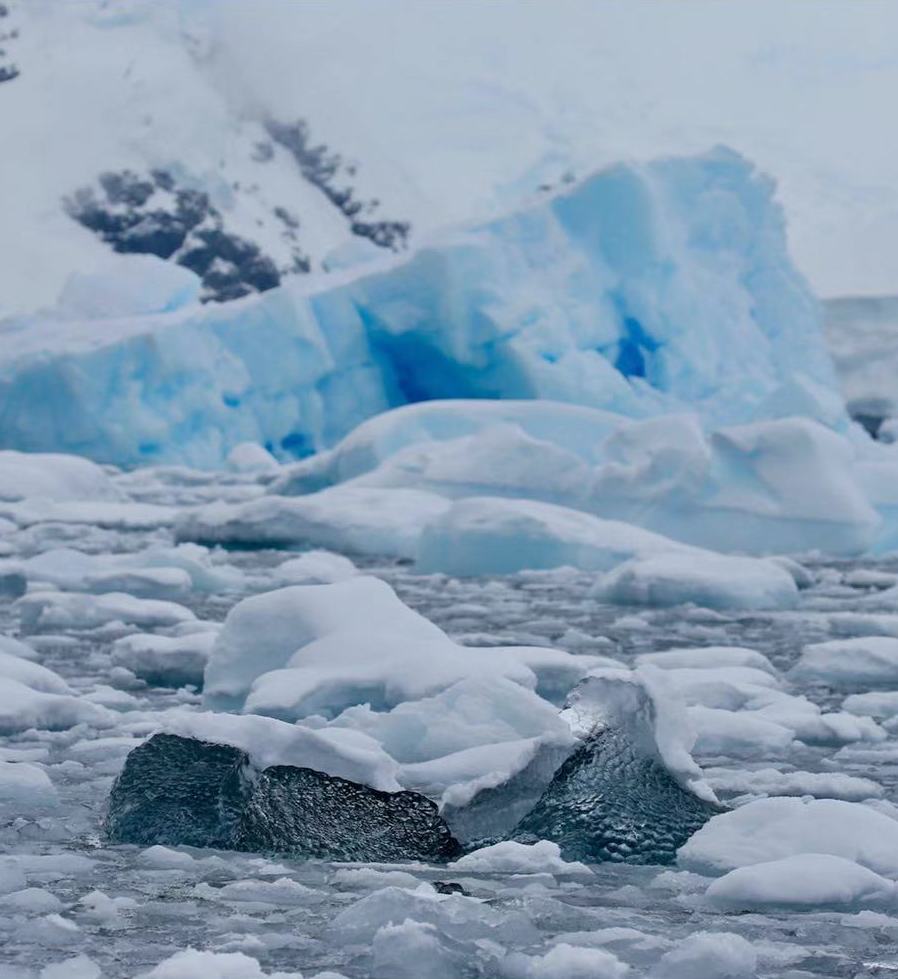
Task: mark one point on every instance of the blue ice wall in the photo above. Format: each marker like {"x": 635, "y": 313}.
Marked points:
{"x": 642, "y": 289}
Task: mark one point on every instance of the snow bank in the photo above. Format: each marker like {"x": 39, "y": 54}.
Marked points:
{"x": 641, "y": 289}
{"x": 771, "y": 829}
{"x": 804, "y": 882}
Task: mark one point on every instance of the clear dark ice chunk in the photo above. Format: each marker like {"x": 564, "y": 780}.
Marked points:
{"x": 182, "y": 791}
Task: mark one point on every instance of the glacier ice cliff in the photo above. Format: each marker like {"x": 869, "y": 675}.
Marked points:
{"x": 642, "y": 289}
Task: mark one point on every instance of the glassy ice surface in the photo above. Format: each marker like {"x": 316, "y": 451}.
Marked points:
{"x": 129, "y": 907}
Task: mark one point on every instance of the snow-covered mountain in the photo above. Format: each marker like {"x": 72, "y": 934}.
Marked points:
{"x": 255, "y": 141}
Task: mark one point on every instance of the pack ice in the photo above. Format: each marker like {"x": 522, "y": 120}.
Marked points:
{"x": 357, "y": 711}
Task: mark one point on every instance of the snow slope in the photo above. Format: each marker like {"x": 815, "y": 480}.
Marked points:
{"x": 440, "y": 115}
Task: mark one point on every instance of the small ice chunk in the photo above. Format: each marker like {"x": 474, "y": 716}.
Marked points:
{"x": 31, "y": 674}
{"x": 769, "y": 781}
{"x": 350, "y": 519}
{"x": 31, "y": 900}
{"x": 493, "y": 535}
{"x": 22, "y": 708}
{"x": 165, "y": 661}
{"x": 41, "y": 611}
{"x": 707, "y": 657}
{"x": 51, "y": 476}
{"x": 770, "y": 829}
{"x": 879, "y": 704}
{"x": 193, "y": 964}
{"x": 13, "y": 647}
{"x": 250, "y": 457}
{"x": 566, "y": 962}
{"x": 164, "y": 858}
{"x": 315, "y": 568}
{"x": 509, "y": 857}
{"x": 24, "y": 786}
{"x": 738, "y": 734}
{"x": 411, "y": 949}
{"x": 710, "y": 580}
{"x": 850, "y": 664}
{"x": 802, "y": 882}
{"x": 710, "y": 955}
{"x": 77, "y": 967}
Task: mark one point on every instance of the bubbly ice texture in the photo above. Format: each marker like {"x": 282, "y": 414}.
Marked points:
{"x": 177, "y": 791}
{"x": 642, "y": 289}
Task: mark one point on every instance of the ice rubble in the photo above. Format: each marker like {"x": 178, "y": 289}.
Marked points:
{"x": 641, "y": 289}
{"x": 378, "y": 695}
{"x": 505, "y": 485}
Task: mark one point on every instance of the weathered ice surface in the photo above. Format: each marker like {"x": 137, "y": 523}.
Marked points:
{"x": 609, "y": 801}
{"x": 181, "y": 791}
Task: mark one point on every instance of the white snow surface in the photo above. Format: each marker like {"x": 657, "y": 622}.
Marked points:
{"x": 456, "y": 122}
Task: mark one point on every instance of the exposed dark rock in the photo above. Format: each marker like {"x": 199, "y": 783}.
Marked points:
{"x": 449, "y": 887}
{"x": 8, "y": 70}
{"x": 153, "y": 215}
{"x": 327, "y": 171}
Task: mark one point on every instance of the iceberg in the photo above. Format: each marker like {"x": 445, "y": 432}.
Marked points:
{"x": 643, "y": 289}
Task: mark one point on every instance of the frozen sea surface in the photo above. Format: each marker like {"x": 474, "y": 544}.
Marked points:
{"x": 127, "y": 909}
